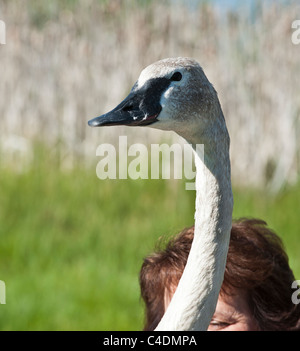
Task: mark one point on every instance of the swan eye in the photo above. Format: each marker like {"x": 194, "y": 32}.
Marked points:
{"x": 176, "y": 76}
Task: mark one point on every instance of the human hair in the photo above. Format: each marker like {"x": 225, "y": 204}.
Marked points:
{"x": 256, "y": 262}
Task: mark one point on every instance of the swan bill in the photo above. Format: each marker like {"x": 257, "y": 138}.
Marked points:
{"x": 140, "y": 108}
{"x": 132, "y": 111}
{"x": 119, "y": 118}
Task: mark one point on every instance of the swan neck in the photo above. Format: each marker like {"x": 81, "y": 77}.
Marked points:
{"x": 195, "y": 298}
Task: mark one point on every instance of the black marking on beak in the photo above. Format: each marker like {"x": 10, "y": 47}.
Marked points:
{"x": 140, "y": 108}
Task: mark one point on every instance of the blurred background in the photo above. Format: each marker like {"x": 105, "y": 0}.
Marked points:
{"x": 71, "y": 245}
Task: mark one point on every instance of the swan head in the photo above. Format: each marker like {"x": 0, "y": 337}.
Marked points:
{"x": 170, "y": 94}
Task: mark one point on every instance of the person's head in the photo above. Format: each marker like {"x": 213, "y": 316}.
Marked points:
{"x": 256, "y": 291}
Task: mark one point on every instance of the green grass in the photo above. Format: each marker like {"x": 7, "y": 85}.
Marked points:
{"x": 71, "y": 246}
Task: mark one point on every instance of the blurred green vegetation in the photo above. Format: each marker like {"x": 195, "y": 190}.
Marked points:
{"x": 72, "y": 245}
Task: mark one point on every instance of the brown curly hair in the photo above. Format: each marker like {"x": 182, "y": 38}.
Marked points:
{"x": 256, "y": 262}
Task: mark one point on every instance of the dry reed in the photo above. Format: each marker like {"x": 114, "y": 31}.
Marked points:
{"x": 63, "y": 65}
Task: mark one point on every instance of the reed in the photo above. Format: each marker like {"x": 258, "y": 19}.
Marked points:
{"x": 67, "y": 61}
